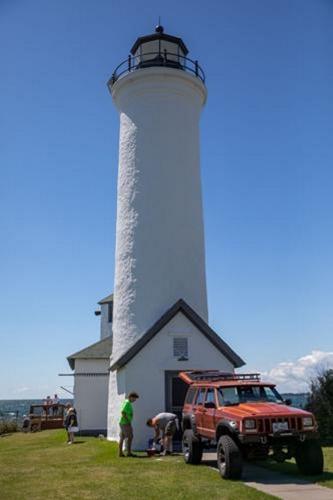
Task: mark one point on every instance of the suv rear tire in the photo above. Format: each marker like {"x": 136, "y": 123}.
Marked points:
{"x": 192, "y": 447}
{"x": 229, "y": 458}
{"x": 309, "y": 457}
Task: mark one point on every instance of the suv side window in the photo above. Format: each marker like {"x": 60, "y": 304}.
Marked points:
{"x": 190, "y": 396}
{"x": 201, "y": 396}
{"x": 227, "y": 396}
{"x": 210, "y": 395}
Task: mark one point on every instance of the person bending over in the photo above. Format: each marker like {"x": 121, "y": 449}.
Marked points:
{"x": 167, "y": 425}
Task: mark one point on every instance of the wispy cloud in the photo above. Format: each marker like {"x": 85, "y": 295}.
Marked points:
{"x": 294, "y": 376}
{"x": 22, "y": 390}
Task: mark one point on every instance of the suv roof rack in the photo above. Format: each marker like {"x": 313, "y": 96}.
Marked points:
{"x": 198, "y": 375}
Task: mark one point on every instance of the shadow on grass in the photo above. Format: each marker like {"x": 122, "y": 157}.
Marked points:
{"x": 291, "y": 469}
{"x": 273, "y": 473}
{"x": 6, "y": 435}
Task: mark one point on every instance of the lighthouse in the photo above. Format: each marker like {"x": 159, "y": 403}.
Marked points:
{"x": 160, "y": 318}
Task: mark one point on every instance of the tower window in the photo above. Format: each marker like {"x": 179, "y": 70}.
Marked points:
{"x": 180, "y": 347}
{"x": 110, "y": 311}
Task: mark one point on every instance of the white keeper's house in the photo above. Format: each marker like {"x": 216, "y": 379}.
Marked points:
{"x": 156, "y": 322}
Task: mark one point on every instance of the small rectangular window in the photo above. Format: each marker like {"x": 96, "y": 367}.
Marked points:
{"x": 110, "y": 312}
{"x": 180, "y": 347}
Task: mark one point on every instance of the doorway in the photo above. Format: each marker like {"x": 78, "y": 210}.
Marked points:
{"x": 175, "y": 392}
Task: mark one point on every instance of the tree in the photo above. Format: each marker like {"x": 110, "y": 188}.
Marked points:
{"x": 321, "y": 403}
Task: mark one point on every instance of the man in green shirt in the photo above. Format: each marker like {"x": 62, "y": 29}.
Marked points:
{"x": 125, "y": 423}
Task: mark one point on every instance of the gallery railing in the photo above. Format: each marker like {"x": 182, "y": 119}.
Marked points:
{"x": 153, "y": 59}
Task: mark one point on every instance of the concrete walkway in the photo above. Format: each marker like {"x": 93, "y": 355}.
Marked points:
{"x": 279, "y": 485}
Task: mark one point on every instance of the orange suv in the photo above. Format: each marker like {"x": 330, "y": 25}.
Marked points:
{"x": 245, "y": 418}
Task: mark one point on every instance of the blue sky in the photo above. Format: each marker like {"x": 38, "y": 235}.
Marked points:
{"x": 266, "y": 147}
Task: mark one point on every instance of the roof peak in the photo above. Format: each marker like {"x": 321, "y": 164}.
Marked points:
{"x": 192, "y": 316}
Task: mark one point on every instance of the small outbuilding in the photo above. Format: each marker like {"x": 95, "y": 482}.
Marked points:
{"x": 179, "y": 340}
{"x": 91, "y": 375}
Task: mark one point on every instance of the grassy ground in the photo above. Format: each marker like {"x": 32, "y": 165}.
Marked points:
{"x": 290, "y": 467}
{"x": 42, "y": 466}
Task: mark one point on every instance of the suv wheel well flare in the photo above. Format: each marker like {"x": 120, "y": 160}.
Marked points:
{"x": 223, "y": 430}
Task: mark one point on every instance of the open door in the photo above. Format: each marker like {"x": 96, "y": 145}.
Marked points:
{"x": 175, "y": 392}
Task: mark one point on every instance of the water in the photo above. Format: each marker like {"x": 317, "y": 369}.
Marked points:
{"x": 14, "y": 409}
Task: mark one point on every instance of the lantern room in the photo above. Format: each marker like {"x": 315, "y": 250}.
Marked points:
{"x": 159, "y": 49}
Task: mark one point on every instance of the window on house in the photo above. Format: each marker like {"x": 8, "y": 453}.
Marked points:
{"x": 180, "y": 347}
{"x": 110, "y": 311}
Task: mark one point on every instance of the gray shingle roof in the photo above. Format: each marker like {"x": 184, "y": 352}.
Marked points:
{"x": 99, "y": 350}
{"x": 107, "y": 299}
{"x": 205, "y": 329}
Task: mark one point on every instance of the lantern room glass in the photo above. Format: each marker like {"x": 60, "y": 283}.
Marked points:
{"x": 159, "y": 52}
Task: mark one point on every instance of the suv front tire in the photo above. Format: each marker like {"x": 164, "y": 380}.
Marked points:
{"x": 229, "y": 458}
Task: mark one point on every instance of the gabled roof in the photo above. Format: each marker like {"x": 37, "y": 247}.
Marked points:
{"x": 107, "y": 299}
{"x": 99, "y": 350}
{"x": 180, "y": 306}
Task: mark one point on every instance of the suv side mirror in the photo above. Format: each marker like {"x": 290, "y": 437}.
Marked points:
{"x": 288, "y": 402}
{"x": 210, "y": 404}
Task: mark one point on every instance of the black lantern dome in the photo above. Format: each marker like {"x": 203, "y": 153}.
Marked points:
{"x": 158, "y": 49}
{"x": 151, "y": 50}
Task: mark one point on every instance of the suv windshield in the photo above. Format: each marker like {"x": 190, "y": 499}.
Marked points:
{"x": 247, "y": 393}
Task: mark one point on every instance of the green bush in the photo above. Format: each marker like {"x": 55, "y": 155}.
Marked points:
{"x": 8, "y": 427}
{"x": 321, "y": 404}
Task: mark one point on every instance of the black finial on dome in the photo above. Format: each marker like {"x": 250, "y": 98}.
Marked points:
{"x": 159, "y": 29}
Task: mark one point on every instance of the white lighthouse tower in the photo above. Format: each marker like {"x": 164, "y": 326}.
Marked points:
{"x": 160, "y": 301}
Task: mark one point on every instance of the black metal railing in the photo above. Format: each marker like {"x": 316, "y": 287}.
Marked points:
{"x": 153, "y": 59}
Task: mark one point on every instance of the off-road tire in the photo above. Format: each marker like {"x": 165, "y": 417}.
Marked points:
{"x": 229, "y": 458}
{"x": 192, "y": 447}
{"x": 309, "y": 457}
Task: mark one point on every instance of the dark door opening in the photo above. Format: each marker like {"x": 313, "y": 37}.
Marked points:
{"x": 175, "y": 392}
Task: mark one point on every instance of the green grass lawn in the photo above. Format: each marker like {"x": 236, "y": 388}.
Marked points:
{"x": 290, "y": 467}
{"x": 42, "y": 466}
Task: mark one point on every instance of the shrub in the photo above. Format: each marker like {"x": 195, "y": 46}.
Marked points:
{"x": 321, "y": 404}
{"x": 7, "y": 427}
